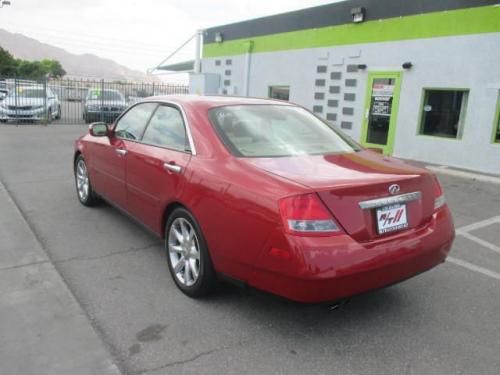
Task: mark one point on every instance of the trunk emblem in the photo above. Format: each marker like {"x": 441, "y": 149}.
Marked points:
{"x": 394, "y": 189}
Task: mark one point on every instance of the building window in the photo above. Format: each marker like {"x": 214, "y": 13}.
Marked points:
{"x": 443, "y": 113}
{"x": 279, "y": 92}
{"x": 496, "y": 133}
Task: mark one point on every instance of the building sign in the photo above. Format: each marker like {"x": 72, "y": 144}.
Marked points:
{"x": 382, "y": 99}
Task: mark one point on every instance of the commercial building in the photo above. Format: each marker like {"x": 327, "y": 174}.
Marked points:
{"x": 418, "y": 79}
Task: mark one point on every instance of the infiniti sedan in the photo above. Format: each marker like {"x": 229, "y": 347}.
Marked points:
{"x": 264, "y": 193}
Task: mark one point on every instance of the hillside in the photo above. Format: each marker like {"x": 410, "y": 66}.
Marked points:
{"x": 77, "y": 66}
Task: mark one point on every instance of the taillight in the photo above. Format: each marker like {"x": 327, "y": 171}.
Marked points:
{"x": 439, "y": 200}
{"x": 306, "y": 215}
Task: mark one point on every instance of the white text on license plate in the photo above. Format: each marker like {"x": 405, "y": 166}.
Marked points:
{"x": 391, "y": 218}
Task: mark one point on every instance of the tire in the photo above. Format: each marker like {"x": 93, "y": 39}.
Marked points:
{"x": 84, "y": 191}
{"x": 3, "y": 121}
{"x": 49, "y": 115}
{"x": 86, "y": 118}
{"x": 58, "y": 117}
{"x": 198, "y": 261}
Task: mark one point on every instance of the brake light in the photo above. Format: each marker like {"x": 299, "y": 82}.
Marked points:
{"x": 439, "y": 200}
{"x": 306, "y": 215}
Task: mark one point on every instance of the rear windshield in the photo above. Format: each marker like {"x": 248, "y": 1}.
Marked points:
{"x": 276, "y": 131}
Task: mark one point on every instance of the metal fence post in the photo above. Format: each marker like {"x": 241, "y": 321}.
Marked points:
{"x": 15, "y": 99}
{"x": 102, "y": 101}
{"x": 47, "y": 114}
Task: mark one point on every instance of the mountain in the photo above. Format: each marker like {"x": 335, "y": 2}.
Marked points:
{"x": 76, "y": 66}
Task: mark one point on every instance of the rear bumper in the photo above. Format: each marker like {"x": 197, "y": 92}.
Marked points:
{"x": 326, "y": 269}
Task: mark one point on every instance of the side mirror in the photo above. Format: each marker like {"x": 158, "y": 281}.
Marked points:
{"x": 98, "y": 129}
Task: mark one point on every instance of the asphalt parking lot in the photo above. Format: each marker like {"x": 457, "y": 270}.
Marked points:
{"x": 445, "y": 321}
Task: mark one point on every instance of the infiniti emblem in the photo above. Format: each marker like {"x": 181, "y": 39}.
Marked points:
{"x": 394, "y": 189}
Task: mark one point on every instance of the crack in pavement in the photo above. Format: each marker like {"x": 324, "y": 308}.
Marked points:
{"x": 188, "y": 360}
{"x": 24, "y": 265}
{"x": 52, "y": 179}
{"x": 119, "y": 252}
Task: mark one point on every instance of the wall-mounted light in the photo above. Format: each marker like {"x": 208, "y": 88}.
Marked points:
{"x": 362, "y": 66}
{"x": 219, "y": 38}
{"x": 358, "y": 14}
{"x": 407, "y": 65}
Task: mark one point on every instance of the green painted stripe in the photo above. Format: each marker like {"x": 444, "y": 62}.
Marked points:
{"x": 430, "y": 25}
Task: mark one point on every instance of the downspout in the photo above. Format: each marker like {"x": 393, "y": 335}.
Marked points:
{"x": 197, "y": 59}
{"x": 248, "y": 60}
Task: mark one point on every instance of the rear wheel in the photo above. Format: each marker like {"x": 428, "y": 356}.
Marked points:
{"x": 187, "y": 255}
{"x": 49, "y": 116}
{"x": 84, "y": 190}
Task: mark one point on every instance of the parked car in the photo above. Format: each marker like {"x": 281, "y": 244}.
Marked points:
{"x": 103, "y": 105}
{"x": 30, "y": 103}
{"x": 265, "y": 193}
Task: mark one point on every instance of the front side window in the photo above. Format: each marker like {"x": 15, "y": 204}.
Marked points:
{"x": 443, "y": 113}
{"x": 166, "y": 129}
{"x": 132, "y": 124}
{"x": 276, "y": 130}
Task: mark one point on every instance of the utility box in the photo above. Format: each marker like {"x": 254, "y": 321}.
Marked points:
{"x": 204, "y": 83}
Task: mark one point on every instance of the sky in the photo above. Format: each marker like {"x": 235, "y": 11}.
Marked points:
{"x": 137, "y": 34}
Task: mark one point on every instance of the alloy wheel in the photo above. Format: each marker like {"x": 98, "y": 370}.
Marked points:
{"x": 184, "y": 251}
{"x": 82, "y": 180}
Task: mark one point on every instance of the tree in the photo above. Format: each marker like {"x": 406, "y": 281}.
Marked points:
{"x": 8, "y": 64}
{"x": 53, "y": 68}
{"x": 33, "y": 70}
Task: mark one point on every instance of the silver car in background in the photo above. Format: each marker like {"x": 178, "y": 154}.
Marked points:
{"x": 30, "y": 103}
{"x": 103, "y": 105}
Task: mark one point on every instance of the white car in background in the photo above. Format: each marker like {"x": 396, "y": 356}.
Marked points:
{"x": 30, "y": 103}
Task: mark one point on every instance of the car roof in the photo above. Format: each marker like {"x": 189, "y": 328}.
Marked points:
{"x": 210, "y": 101}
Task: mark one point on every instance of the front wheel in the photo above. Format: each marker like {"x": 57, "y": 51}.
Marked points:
{"x": 187, "y": 255}
{"x": 84, "y": 190}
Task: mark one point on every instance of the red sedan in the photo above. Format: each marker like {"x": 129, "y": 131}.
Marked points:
{"x": 265, "y": 193}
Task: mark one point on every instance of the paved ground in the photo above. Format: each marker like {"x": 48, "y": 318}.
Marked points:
{"x": 446, "y": 321}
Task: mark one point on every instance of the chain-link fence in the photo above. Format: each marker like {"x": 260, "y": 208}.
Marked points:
{"x": 69, "y": 101}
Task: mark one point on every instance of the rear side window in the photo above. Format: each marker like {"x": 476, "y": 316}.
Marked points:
{"x": 132, "y": 124}
{"x": 276, "y": 131}
{"x": 166, "y": 129}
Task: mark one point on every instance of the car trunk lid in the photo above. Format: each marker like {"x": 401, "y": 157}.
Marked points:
{"x": 346, "y": 180}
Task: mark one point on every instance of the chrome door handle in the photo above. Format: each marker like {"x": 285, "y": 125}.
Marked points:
{"x": 121, "y": 151}
{"x": 172, "y": 167}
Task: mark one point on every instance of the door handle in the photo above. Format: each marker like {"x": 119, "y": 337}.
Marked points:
{"x": 121, "y": 151}
{"x": 172, "y": 167}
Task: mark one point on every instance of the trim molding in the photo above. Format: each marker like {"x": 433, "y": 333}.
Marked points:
{"x": 429, "y": 25}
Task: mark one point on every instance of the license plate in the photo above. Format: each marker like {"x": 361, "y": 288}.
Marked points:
{"x": 391, "y": 218}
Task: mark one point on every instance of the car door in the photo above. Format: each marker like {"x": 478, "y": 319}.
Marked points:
{"x": 156, "y": 167}
{"x": 109, "y": 154}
